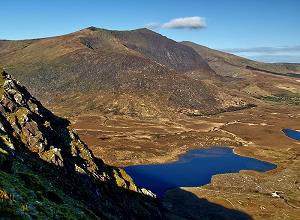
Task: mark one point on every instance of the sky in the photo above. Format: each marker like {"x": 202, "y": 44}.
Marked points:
{"x": 265, "y": 30}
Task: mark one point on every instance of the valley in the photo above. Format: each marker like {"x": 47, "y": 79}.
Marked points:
{"x": 255, "y": 133}
{"x": 137, "y": 97}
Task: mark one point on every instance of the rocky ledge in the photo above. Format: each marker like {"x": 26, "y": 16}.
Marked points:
{"x": 46, "y": 171}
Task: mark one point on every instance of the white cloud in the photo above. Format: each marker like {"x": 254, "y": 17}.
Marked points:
{"x": 195, "y": 22}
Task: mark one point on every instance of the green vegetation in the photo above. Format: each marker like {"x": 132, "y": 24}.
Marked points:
{"x": 37, "y": 190}
{"x": 283, "y": 98}
{"x": 25, "y": 195}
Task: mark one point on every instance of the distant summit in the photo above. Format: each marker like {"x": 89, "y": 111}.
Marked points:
{"x": 92, "y": 28}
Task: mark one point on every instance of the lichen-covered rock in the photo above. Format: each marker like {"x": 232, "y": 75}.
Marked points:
{"x": 46, "y": 171}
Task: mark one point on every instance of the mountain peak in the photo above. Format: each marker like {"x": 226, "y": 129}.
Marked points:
{"x": 144, "y": 30}
{"x": 164, "y": 50}
{"x": 92, "y": 28}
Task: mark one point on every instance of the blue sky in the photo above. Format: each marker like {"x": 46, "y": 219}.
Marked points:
{"x": 243, "y": 27}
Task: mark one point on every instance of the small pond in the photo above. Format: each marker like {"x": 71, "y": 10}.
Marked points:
{"x": 292, "y": 134}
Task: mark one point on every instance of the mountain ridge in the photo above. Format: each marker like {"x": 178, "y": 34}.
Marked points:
{"x": 117, "y": 64}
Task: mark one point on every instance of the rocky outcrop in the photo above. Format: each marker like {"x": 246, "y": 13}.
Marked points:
{"x": 44, "y": 163}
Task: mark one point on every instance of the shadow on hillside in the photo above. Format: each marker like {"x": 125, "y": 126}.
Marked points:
{"x": 181, "y": 204}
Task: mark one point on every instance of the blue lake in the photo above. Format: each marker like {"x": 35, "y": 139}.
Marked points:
{"x": 292, "y": 134}
{"x": 194, "y": 168}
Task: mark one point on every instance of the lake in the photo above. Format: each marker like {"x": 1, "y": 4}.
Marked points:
{"x": 292, "y": 134}
{"x": 194, "y": 168}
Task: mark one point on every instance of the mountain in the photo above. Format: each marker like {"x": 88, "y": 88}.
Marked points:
{"x": 138, "y": 73}
{"x": 47, "y": 172}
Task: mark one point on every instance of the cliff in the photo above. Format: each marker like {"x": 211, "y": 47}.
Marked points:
{"x": 46, "y": 171}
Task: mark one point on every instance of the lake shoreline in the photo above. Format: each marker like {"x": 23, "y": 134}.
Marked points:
{"x": 193, "y": 169}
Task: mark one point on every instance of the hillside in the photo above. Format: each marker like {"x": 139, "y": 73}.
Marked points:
{"x": 47, "y": 172}
{"x": 137, "y": 73}
{"x": 163, "y": 50}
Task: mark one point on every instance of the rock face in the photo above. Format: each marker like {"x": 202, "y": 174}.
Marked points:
{"x": 46, "y": 171}
{"x": 163, "y": 50}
